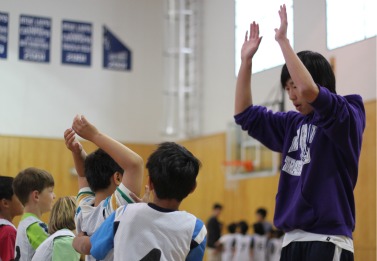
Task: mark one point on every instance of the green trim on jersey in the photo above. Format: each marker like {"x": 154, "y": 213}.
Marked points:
{"x": 129, "y": 200}
{"x": 85, "y": 192}
{"x": 36, "y": 234}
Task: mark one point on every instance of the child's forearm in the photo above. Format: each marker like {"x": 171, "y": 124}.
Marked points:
{"x": 82, "y": 244}
{"x": 79, "y": 160}
{"x": 130, "y": 161}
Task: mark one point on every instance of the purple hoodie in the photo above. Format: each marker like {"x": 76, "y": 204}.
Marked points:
{"x": 320, "y": 158}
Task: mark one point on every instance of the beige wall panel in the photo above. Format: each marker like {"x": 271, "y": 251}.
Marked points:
{"x": 365, "y": 191}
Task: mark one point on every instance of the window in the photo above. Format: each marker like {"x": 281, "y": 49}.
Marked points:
{"x": 265, "y": 13}
{"x": 350, "y": 21}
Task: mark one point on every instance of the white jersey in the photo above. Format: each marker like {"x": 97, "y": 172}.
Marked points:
{"x": 88, "y": 218}
{"x": 228, "y": 242}
{"x": 259, "y": 245}
{"x": 4, "y": 222}
{"x": 146, "y": 232}
{"x": 274, "y": 246}
{"x": 242, "y": 248}
{"x": 45, "y": 250}
{"x": 24, "y": 250}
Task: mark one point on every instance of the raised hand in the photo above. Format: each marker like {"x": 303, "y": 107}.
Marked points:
{"x": 251, "y": 43}
{"x": 84, "y": 128}
{"x": 144, "y": 199}
{"x": 71, "y": 141}
{"x": 281, "y": 33}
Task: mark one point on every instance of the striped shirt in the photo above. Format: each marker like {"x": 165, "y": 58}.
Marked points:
{"x": 89, "y": 218}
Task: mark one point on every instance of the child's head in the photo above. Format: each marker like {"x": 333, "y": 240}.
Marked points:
{"x": 216, "y": 209}
{"x": 261, "y": 214}
{"x": 318, "y": 67}
{"x": 232, "y": 227}
{"x": 35, "y": 186}
{"x": 62, "y": 215}
{"x": 172, "y": 171}
{"x": 100, "y": 170}
{"x": 259, "y": 228}
{"x": 243, "y": 227}
{"x": 10, "y": 206}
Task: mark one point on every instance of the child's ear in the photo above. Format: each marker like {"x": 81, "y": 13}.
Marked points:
{"x": 150, "y": 184}
{"x": 117, "y": 178}
{"x": 4, "y": 203}
{"x": 35, "y": 195}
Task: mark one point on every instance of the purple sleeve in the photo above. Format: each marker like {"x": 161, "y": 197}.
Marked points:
{"x": 342, "y": 119}
{"x": 266, "y": 126}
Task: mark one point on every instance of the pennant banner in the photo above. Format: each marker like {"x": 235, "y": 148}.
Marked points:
{"x": 116, "y": 55}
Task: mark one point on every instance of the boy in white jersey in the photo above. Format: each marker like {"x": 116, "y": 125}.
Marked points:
{"x": 243, "y": 247}
{"x": 158, "y": 230}
{"x": 106, "y": 177}
{"x": 274, "y": 245}
{"x": 34, "y": 188}
{"x": 227, "y": 242}
{"x": 259, "y": 242}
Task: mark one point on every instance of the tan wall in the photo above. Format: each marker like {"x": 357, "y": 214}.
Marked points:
{"x": 17, "y": 153}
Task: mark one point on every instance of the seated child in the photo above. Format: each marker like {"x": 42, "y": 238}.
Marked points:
{"x": 156, "y": 230}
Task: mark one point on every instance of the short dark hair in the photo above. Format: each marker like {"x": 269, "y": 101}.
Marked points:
{"x": 318, "y": 67}
{"x": 243, "y": 227}
{"x": 31, "y": 179}
{"x": 217, "y": 206}
{"x": 172, "y": 171}
{"x": 99, "y": 168}
{"x": 259, "y": 228}
{"x": 6, "y": 190}
{"x": 232, "y": 227}
{"x": 262, "y": 212}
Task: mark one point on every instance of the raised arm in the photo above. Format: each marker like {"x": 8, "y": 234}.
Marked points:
{"x": 243, "y": 98}
{"x": 78, "y": 154}
{"x": 298, "y": 72}
{"x": 130, "y": 161}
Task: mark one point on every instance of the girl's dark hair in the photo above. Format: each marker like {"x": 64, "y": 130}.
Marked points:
{"x": 318, "y": 67}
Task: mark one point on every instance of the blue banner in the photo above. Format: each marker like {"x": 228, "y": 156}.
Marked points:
{"x": 116, "y": 55}
{"x": 34, "y": 42}
{"x": 4, "y": 19}
{"x": 76, "y": 43}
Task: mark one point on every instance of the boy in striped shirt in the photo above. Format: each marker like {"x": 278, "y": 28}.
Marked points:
{"x": 105, "y": 177}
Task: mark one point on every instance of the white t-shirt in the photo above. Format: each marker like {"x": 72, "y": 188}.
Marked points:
{"x": 147, "y": 232}
{"x": 242, "y": 248}
{"x": 88, "y": 217}
{"x": 228, "y": 242}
